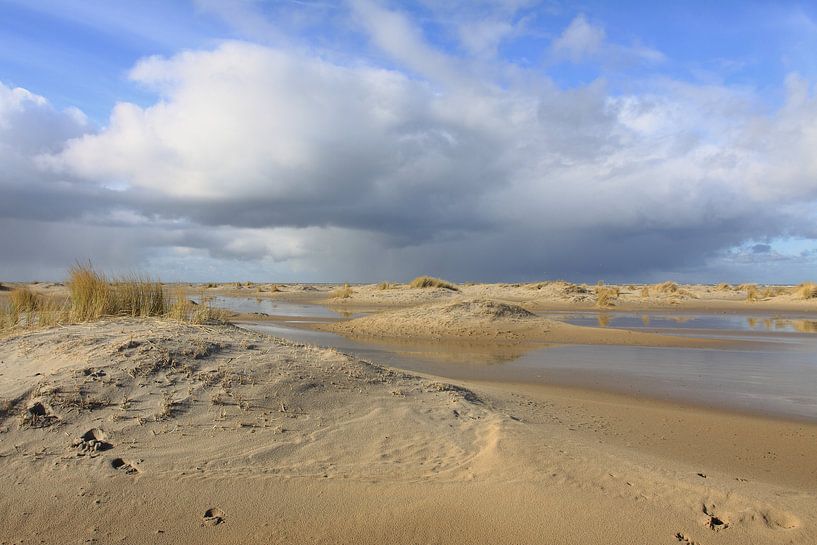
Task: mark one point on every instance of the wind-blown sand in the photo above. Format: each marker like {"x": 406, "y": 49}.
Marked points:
{"x": 487, "y": 321}
{"x": 144, "y": 431}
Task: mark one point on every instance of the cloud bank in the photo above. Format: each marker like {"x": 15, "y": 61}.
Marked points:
{"x": 297, "y": 163}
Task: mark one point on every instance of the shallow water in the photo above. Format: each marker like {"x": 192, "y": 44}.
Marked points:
{"x": 776, "y": 377}
{"x": 273, "y": 307}
{"x": 685, "y": 321}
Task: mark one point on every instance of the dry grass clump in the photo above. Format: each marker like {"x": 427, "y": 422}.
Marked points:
{"x": 24, "y": 300}
{"x": 666, "y": 287}
{"x": 774, "y": 291}
{"x": 139, "y": 296}
{"x": 91, "y": 294}
{"x": 386, "y": 286}
{"x": 52, "y": 311}
{"x": 204, "y": 313}
{"x": 181, "y": 308}
{"x": 806, "y": 290}
{"x": 26, "y": 308}
{"x": 645, "y": 291}
{"x": 8, "y": 319}
{"x": 342, "y": 293}
{"x": 185, "y": 310}
{"x": 431, "y": 282}
{"x": 752, "y": 293}
{"x": 723, "y": 287}
{"x": 606, "y": 296}
{"x": 574, "y": 289}
{"x": 94, "y": 296}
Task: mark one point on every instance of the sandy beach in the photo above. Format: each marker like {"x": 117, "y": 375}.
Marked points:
{"x": 154, "y": 431}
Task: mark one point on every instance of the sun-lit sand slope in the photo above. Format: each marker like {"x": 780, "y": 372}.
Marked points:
{"x": 486, "y": 321}
{"x": 145, "y": 431}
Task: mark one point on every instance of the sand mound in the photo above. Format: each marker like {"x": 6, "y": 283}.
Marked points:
{"x": 482, "y": 309}
{"x": 457, "y": 319}
{"x": 488, "y": 321}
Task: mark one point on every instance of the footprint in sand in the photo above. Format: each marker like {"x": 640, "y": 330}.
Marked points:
{"x": 714, "y": 522}
{"x": 127, "y": 468}
{"x": 214, "y": 516}
{"x": 38, "y": 415}
{"x": 92, "y": 441}
{"x": 684, "y": 539}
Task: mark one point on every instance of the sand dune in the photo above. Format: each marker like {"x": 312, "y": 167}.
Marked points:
{"x": 144, "y": 431}
{"x": 487, "y": 321}
{"x": 553, "y": 295}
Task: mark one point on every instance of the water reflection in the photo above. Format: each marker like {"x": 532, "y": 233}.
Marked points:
{"x": 752, "y": 322}
{"x": 778, "y": 378}
{"x": 448, "y": 352}
{"x": 272, "y": 307}
{"x": 720, "y": 322}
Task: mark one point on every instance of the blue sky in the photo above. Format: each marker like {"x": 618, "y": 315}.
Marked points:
{"x": 678, "y": 134}
{"x": 78, "y": 54}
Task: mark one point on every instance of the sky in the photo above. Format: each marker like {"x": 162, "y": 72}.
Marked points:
{"x": 360, "y": 141}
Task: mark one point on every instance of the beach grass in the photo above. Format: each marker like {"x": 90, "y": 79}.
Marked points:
{"x": 342, "y": 293}
{"x": 92, "y": 296}
{"x": 431, "y": 282}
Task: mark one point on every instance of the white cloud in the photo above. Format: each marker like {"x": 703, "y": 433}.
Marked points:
{"x": 580, "y": 40}
{"x": 260, "y": 138}
{"x": 360, "y": 169}
{"x": 584, "y": 41}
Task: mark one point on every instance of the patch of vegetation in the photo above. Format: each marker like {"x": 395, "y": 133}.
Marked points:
{"x": 645, "y": 291}
{"x": 806, "y": 290}
{"x": 667, "y": 287}
{"x": 752, "y": 293}
{"x": 606, "y": 296}
{"x": 185, "y": 310}
{"x": 342, "y": 293}
{"x": 92, "y": 296}
{"x": 24, "y": 300}
{"x": 431, "y": 282}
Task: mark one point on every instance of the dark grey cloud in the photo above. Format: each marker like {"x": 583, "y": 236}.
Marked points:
{"x": 255, "y": 157}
